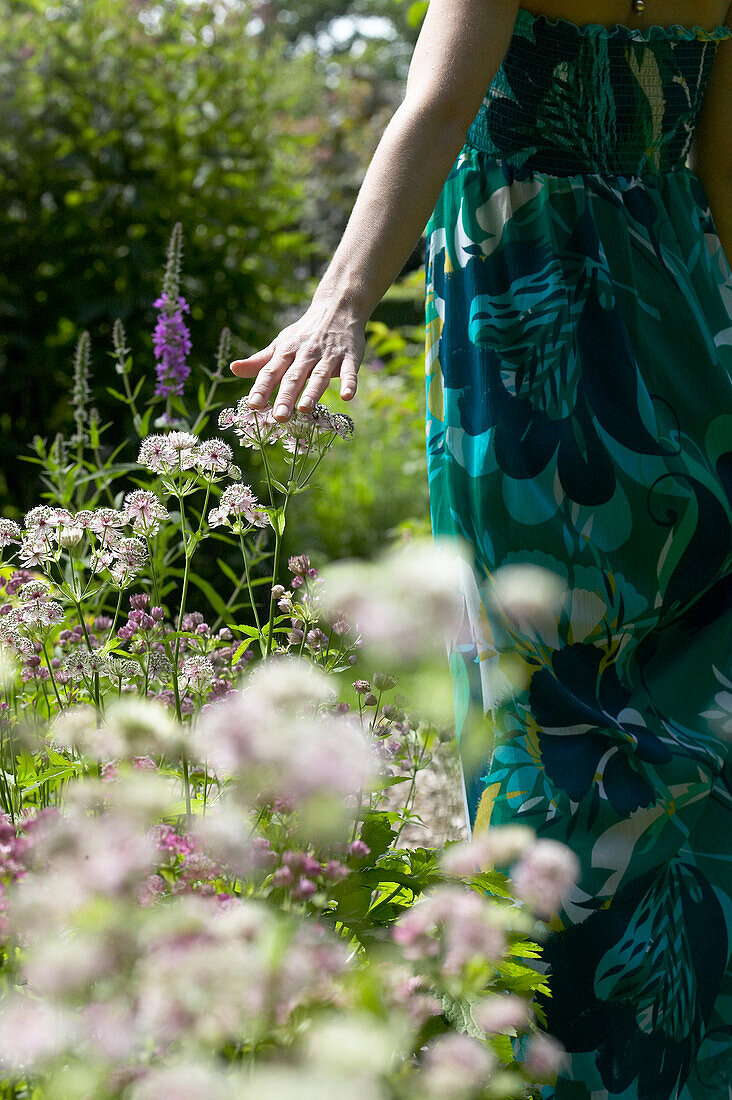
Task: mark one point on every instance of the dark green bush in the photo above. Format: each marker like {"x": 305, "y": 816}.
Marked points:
{"x": 120, "y": 119}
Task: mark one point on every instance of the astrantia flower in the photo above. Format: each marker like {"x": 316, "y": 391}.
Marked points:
{"x": 545, "y": 873}
{"x": 156, "y": 454}
{"x": 39, "y": 519}
{"x": 238, "y": 499}
{"x": 213, "y": 456}
{"x": 254, "y": 427}
{"x": 129, "y": 557}
{"x": 75, "y": 665}
{"x": 196, "y": 674}
{"x": 34, "y": 590}
{"x": 122, "y": 669}
{"x": 319, "y": 421}
{"x": 159, "y": 667}
{"x": 457, "y": 1066}
{"x": 43, "y": 613}
{"x": 106, "y": 523}
{"x": 184, "y": 447}
{"x": 9, "y": 532}
{"x": 144, "y": 511}
{"x": 172, "y": 343}
{"x": 35, "y": 551}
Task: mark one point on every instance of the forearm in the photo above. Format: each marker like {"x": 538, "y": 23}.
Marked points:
{"x": 398, "y": 194}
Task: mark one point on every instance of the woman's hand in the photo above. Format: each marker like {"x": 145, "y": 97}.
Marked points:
{"x": 323, "y": 343}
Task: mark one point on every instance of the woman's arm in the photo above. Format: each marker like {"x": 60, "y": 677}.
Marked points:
{"x": 711, "y": 154}
{"x": 460, "y": 47}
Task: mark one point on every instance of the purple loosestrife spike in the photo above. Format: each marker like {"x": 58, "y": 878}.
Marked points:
{"x": 172, "y": 343}
{"x": 171, "y": 339}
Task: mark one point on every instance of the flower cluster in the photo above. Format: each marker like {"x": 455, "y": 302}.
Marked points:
{"x": 172, "y": 343}
{"x": 239, "y": 509}
{"x": 183, "y": 453}
{"x": 258, "y": 427}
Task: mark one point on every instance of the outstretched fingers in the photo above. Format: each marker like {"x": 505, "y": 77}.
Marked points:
{"x": 269, "y": 377}
{"x": 245, "y": 368}
{"x": 318, "y": 382}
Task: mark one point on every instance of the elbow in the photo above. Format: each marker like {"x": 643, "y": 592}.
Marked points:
{"x": 448, "y": 115}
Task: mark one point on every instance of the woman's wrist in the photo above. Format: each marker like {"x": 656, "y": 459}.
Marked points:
{"x": 340, "y": 301}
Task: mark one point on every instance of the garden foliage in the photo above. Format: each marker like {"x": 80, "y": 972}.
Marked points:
{"x": 203, "y": 890}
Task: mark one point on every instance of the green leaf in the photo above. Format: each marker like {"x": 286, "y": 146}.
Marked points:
{"x": 278, "y": 520}
{"x": 250, "y": 631}
{"x": 117, "y": 395}
{"x": 228, "y": 572}
{"x": 241, "y": 650}
{"x": 503, "y": 1048}
{"x": 378, "y": 834}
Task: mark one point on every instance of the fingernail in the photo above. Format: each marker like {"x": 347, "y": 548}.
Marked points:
{"x": 282, "y": 410}
{"x": 306, "y": 403}
{"x": 347, "y": 393}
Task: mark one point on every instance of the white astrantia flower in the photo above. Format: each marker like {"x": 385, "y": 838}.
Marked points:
{"x": 238, "y": 501}
{"x": 34, "y": 590}
{"x": 144, "y": 511}
{"x": 35, "y": 551}
{"x": 106, "y": 523}
{"x": 45, "y": 613}
{"x": 159, "y": 667}
{"x": 69, "y": 537}
{"x": 121, "y": 668}
{"x": 39, "y": 519}
{"x": 196, "y": 674}
{"x": 9, "y": 532}
{"x": 406, "y": 602}
{"x": 156, "y": 454}
{"x": 213, "y": 456}
{"x": 253, "y": 427}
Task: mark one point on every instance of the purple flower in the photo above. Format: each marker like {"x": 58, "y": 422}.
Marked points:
{"x": 172, "y": 343}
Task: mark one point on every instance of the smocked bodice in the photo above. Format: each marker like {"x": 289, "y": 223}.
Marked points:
{"x": 575, "y": 99}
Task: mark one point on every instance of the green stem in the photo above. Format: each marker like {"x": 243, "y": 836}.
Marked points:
{"x": 187, "y": 789}
{"x": 136, "y": 418}
{"x": 116, "y": 616}
{"x": 52, "y": 677}
{"x": 249, "y": 582}
{"x": 153, "y": 572}
{"x": 410, "y": 793}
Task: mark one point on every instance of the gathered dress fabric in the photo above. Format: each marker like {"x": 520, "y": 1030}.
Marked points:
{"x": 579, "y": 418}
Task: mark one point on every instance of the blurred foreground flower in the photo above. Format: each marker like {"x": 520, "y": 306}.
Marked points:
{"x": 404, "y": 602}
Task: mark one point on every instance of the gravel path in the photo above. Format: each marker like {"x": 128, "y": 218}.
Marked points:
{"x": 439, "y": 802}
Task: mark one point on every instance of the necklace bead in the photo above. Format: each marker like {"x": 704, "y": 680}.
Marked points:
{"x": 638, "y": 5}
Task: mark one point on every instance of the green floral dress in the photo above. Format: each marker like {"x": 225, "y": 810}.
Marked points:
{"x": 579, "y": 418}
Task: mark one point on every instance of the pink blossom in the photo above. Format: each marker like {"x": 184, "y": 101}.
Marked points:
{"x": 545, "y": 873}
